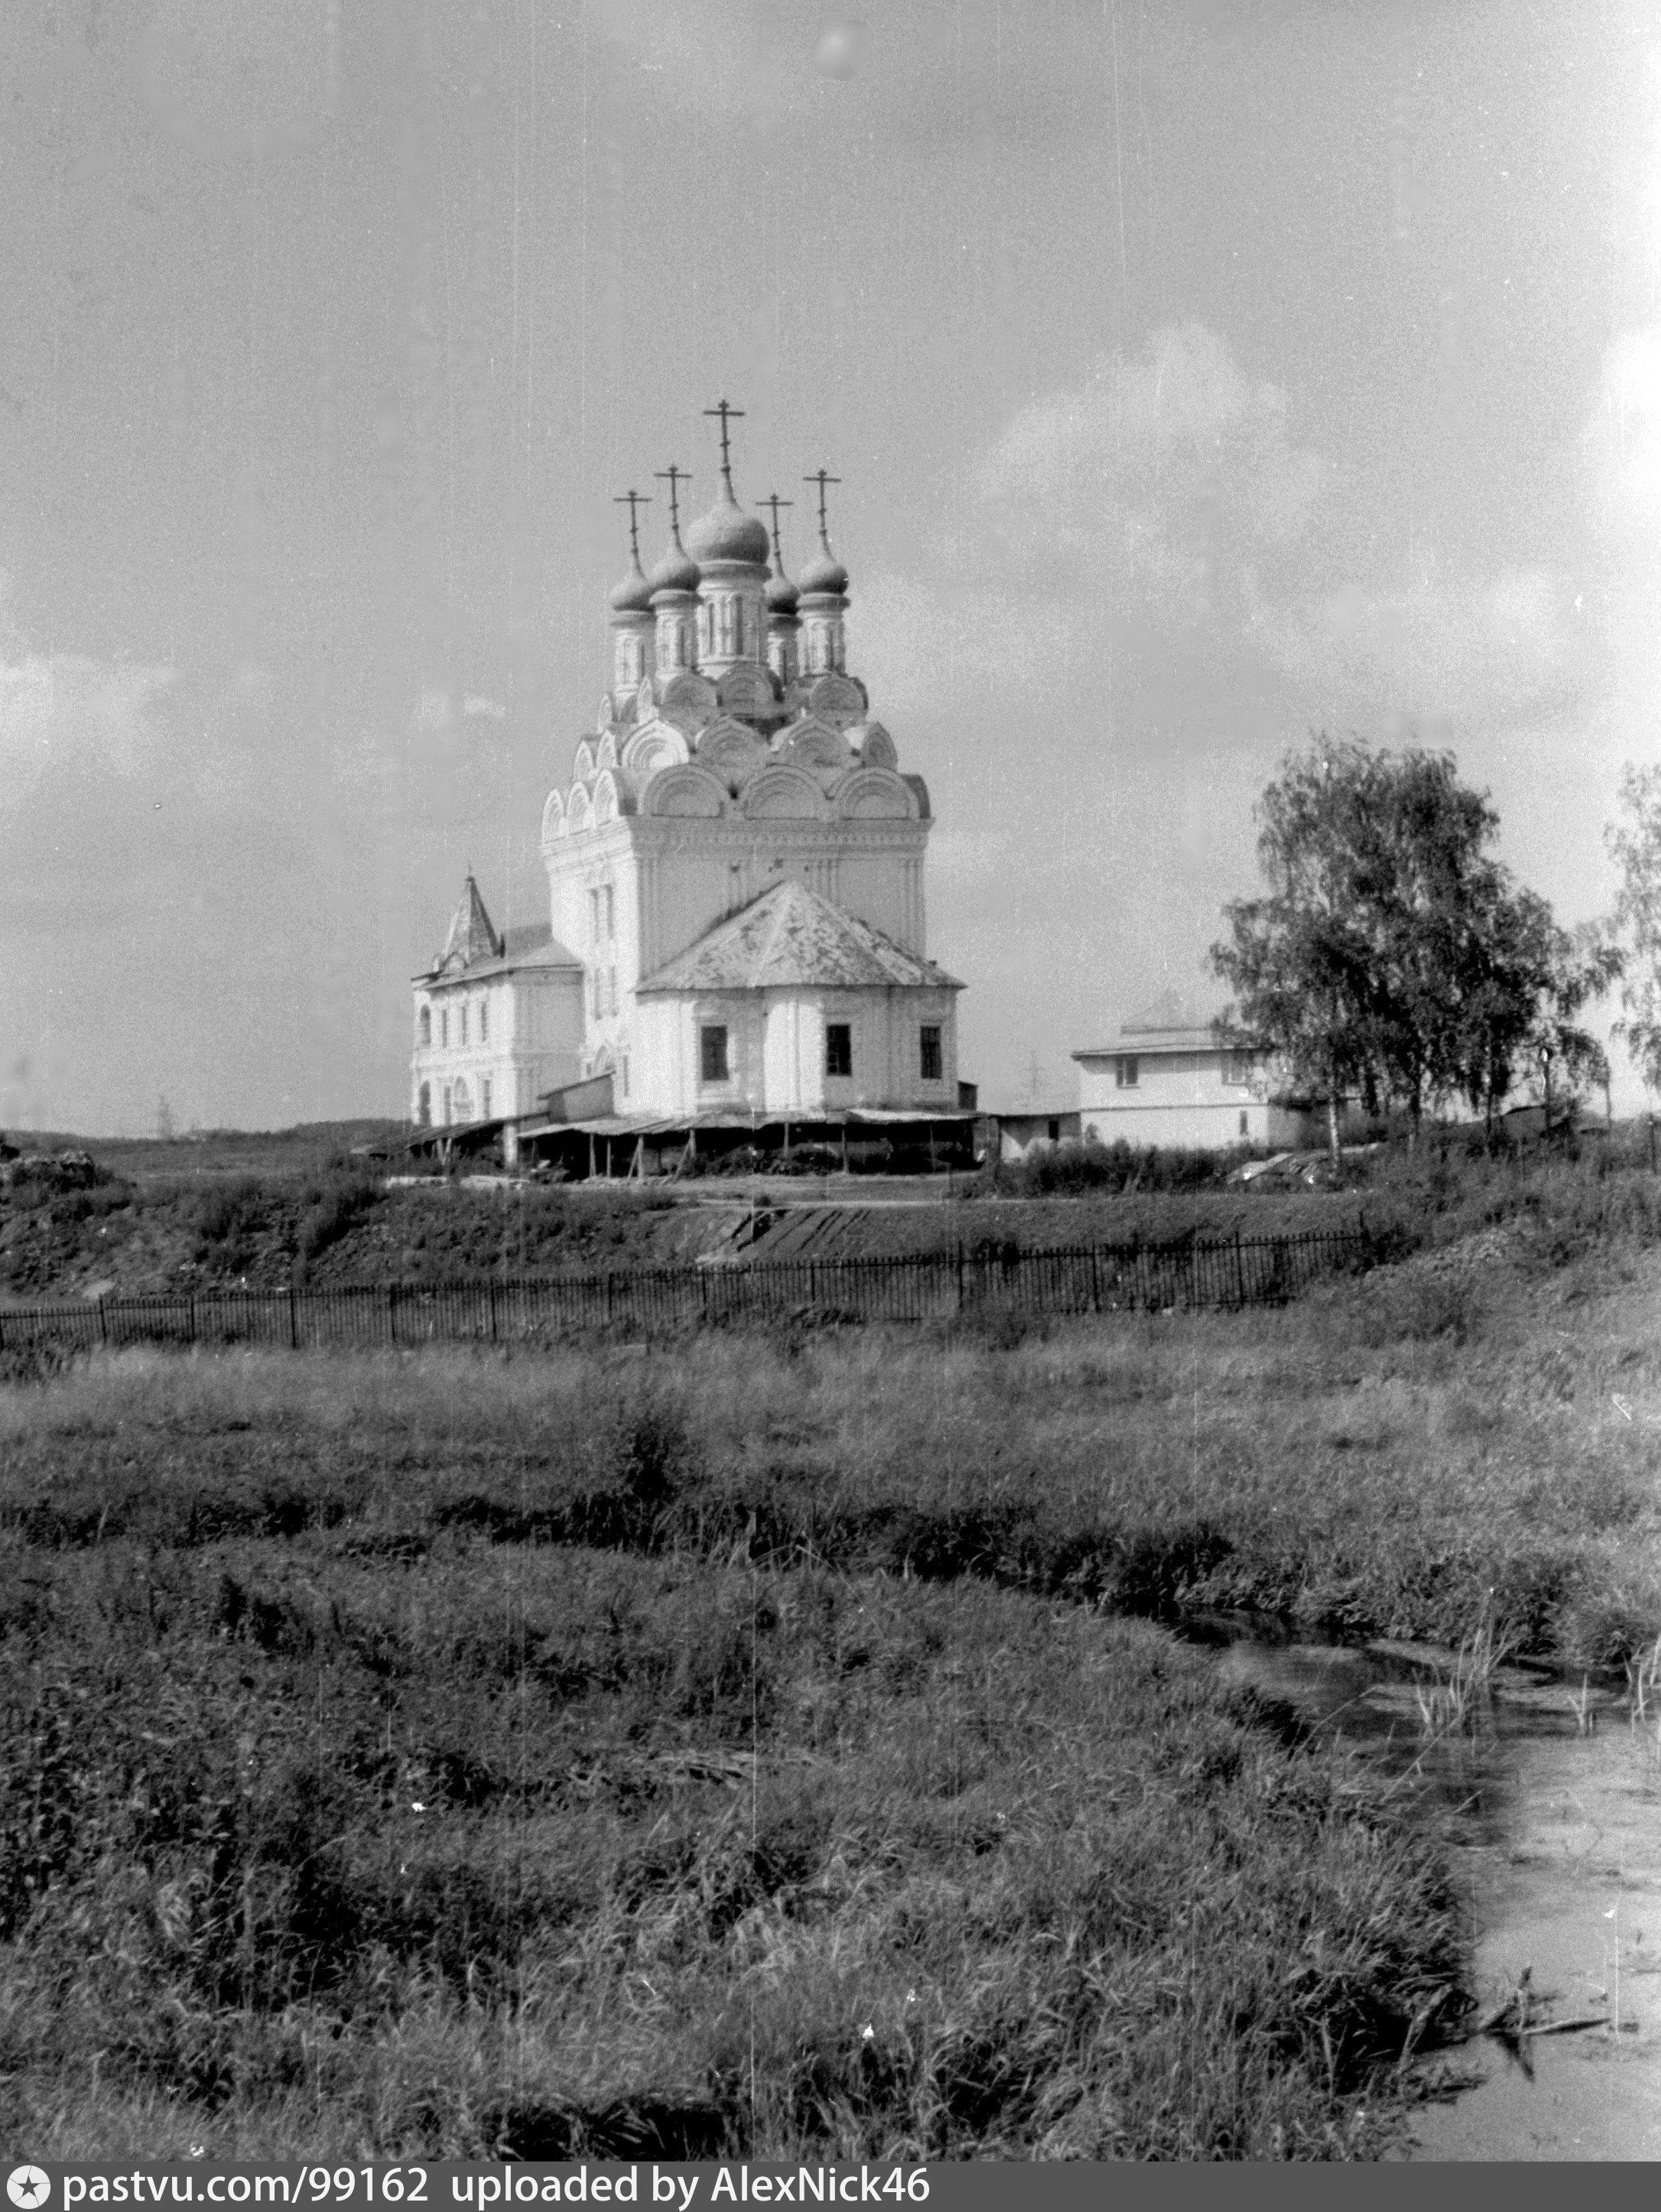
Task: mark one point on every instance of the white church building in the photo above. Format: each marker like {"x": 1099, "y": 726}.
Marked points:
{"x": 736, "y": 933}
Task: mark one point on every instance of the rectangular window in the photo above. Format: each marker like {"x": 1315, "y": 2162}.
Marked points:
{"x": 625, "y": 1075}
{"x": 444, "y": 1032}
{"x": 1243, "y": 1124}
{"x": 611, "y": 915}
{"x": 838, "y": 1048}
{"x": 593, "y": 917}
{"x": 1124, "y": 1072}
{"x": 932, "y": 1060}
{"x": 1054, "y": 1131}
{"x": 484, "y": 1100}
{"x": 1237, "y": 1070}
{"x": 464, "y": 1022}
{"x": 712, "y": 1054}
{"x": 485, "y": 1021}
{"x": 611, "y": 988}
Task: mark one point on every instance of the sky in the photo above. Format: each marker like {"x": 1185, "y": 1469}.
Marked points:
{"x": 1200, "y": 374}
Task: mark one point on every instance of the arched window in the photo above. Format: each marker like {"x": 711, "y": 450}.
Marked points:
{"x": 426, "y": 1031}
{"x": 446, "y": 1105}
{"x": 425, "y": 1108}
{"x": 462, "y": 1103}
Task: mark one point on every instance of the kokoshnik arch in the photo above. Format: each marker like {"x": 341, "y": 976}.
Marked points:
{"x": 736, "y": 925}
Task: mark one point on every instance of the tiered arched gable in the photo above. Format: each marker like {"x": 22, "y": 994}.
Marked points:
{"x": 746, "y": 689}
{"x": 874, "y": 794}
{"x": 873, "y": 745}
{"x": 685, "y": 790}
{"x": 579, "y": 811}
{"x": 732, "y": 751}
{"x": 553, "y": 817}
{"x": 605, "y": 752}
{"x": 818, "y": 746}
{"x": 925, "y": 813}
{"x": 783, "y": 791}
{"x": 583, "y": 762}
{"x": 612, "y": 796}
{"x": 689, "y": 702}
{"x": 839, "y": 700}
{"x": 658, "y": 745}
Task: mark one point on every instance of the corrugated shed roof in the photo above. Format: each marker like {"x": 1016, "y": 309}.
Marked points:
{"x": 790, "y": 937}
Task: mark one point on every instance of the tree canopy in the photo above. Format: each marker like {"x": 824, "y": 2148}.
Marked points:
{"x": 1392, "y": 957}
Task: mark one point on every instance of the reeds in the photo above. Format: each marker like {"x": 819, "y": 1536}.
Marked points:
{"x": 1458, "y": 1704}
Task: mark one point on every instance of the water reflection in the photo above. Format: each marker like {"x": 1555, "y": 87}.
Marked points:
{"x": 1551, "y": 1801}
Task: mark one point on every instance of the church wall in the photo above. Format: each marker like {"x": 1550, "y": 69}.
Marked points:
{"x": 776, "y": 1051}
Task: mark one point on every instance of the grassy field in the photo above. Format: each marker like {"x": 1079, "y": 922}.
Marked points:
{"x": 435, "y": 1756}
{"x": 752, "y": 1744}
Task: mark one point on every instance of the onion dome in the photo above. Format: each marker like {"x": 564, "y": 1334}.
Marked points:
{"x": 728, "y": 533}
{"x": 633, "y": 596}
{"x": 676, "y": 572}
{"x": 824, "y": 575}
{"x": 782, "y": 596}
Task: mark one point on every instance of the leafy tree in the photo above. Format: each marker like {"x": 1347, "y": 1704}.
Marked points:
{"x": 1306, "y": 974}
{"x": 1394, "y": 957}
{"x": 1537, "y": 978}
{"x": 1635, "y": 845}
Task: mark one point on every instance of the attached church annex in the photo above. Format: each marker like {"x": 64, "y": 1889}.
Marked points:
{"x": 736, "y": 944}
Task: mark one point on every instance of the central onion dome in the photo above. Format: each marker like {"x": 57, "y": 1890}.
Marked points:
{"x": 728, "y": 533}
{"x": 676, "y": 572}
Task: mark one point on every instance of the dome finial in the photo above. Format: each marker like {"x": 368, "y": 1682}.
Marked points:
{"x": 824, "y": 574}
{"x": 734, "y": 414}
{"x": 774, "y": 502}
{"x": 677, "y": 571}
{"x": 634, "y": 501}
{"x": 633, "y": 595}
{"x": 674, "y": 478}
{"x": 822, "y": 477}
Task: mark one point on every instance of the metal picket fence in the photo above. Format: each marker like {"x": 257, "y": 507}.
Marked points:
{"x": 1230, "y": 1273}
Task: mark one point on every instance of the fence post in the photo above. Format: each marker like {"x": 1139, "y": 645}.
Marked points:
{"x": 103, "y": 1323}
{"x": 959, "y": 1275}
{"x": 493, "y": 1313}
{"x": 293, "y": 1321}
{"x": 391, "y": 1313}
{"x": 1239, "y": 1271}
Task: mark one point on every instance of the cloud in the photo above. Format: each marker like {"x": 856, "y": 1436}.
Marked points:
{"x": 1171, "y": 478}
{"x": 1165, "y": 500}
{"x": 1164, "y": 490}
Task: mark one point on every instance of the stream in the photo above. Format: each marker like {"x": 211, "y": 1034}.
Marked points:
{"x": 1555, "y": 1814}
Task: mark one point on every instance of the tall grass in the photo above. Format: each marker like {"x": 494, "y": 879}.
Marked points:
{"x": 458, "y": 1853}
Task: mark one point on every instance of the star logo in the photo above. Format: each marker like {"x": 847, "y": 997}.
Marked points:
{"x": 28, "y": 2187}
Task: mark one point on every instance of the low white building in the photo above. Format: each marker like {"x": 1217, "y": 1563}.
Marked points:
{"x": 498, "y": 1022}
{"x": 1167, "y": 1081}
